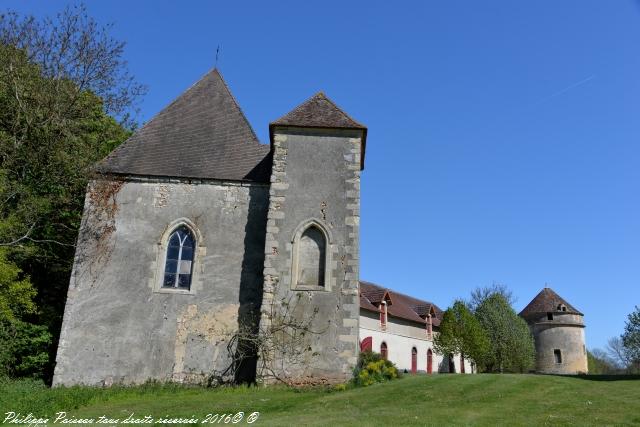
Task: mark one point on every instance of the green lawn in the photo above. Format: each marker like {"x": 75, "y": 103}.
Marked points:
{"x": 412, "y": 400}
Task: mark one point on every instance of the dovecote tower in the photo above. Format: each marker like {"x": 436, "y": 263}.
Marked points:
{"x": 558, "y": 330}
{"x": 312, "y": 241}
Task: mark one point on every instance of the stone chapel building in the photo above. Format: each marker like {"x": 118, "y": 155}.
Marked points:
{"x": 192, "y": 227}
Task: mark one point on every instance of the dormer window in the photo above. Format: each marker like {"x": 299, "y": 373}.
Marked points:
{"x": 562, "y": 307}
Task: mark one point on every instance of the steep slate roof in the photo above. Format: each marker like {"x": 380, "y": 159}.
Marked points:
{"x": 547, "y": 301}
{"x": 320, "y": 112}
{"x": 201, "y": 134}
{"x": 402, "y": 306}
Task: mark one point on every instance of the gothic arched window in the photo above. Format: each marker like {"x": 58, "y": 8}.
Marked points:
{"x": 179, "y": 261}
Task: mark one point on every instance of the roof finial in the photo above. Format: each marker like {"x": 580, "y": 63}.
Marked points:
{"x": 217, "y": 53}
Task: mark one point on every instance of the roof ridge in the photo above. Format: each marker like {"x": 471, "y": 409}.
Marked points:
{"x": 155, "y": 117}
{"x": 344, "y": 113}
{"x": 400, "y": 293}
{"x": 235, "y": 101}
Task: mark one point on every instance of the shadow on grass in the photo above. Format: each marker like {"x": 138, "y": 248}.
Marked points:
{"x": 621, "y": 377}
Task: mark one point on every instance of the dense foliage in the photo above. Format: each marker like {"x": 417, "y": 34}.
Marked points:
{"x": 53, "y": 128}
{"x": 631, "y": 335}
{"x": 461, "y": 333}
{"x": 512, "y": 347}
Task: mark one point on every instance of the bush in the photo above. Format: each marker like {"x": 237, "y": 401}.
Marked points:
{"x": 372, "y": 368}
{"x": 24, "y": 349}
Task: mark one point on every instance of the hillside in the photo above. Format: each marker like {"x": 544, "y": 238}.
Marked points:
{"x": 413, "y": 400}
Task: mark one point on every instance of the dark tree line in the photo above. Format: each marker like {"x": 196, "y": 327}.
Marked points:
{"x": 66, "y": 100}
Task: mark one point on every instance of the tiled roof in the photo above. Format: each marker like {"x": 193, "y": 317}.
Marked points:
{"x": 401, "y": 306}
{"x": 320, "y": 112}
{"x": 201, "y": 134}
{"x": 547, "y": 301}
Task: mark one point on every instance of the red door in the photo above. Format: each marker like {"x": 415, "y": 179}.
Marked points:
{"x": 429, "y": 361}
{"x": 366, "y": 344}
{"x": 414, "y": 360}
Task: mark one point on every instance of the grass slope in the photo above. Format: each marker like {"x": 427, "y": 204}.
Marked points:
{"x": 412, "y": 400}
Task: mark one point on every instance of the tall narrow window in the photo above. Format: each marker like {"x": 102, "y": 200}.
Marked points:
{"x": 558, "y": 355}
{"x": 383, "y": 314}
{"x": 179, "y": 262}
{"x": 384, "y": 351}
{"x": 312, "y": 258}
{"x": 414, "y": 360}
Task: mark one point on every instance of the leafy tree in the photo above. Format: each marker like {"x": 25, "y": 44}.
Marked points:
{"x": 23, "y": 345}
{"x": 631, "y": 335}
{"x": 460, "y": 332}
{"x": 512, "y": 348}
{"x": 478, "y": 295}
{"x": 73, "y": 46}
{"x": 60, "y": 79}
{"x": 631, "y": 338}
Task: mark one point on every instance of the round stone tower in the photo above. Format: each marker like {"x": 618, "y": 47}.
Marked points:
{"x": 558, "y": 330}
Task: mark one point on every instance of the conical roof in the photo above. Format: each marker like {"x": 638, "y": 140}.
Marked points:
{"x": 547, "y": 301}
{"x": 201, "y": 134}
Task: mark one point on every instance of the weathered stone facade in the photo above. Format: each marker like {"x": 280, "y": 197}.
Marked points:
{"x": 120, "y": 325}
{"x": 316, "y": 182}
{"x": 141, "y": 306}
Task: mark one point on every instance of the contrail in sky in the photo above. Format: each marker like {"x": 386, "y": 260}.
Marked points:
{"x": 566, "y": 89}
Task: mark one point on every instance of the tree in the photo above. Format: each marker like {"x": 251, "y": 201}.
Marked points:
{"x": 600, "y": 363}
{"x": 460, "y": 332}
{"x": 23, "y": 345}
{"x": 60, "y": 79}
{"x": 478, "y": 295}
{"x": 73, "y": 46}
{"x": 618, "y": 353}
{"x": 512, "y": 348}
{"x": 631, "y": 337}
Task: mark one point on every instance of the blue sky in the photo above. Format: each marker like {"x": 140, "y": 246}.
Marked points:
{"x": 504, "y": 136}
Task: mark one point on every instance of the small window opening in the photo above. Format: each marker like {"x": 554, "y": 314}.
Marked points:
{"x": 562, "y": 307}
{"x": 549, "y": 316}
{"x": 558, "y": 355}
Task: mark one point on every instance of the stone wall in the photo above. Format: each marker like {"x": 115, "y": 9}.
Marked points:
{"x": 566, "y": 334}
{"x": 315, "y": 180}
{"x": 119, "y": 325}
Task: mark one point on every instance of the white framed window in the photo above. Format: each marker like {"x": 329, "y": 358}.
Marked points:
{"x": 179, "y": 257}
{"x": 178, "y": 265}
